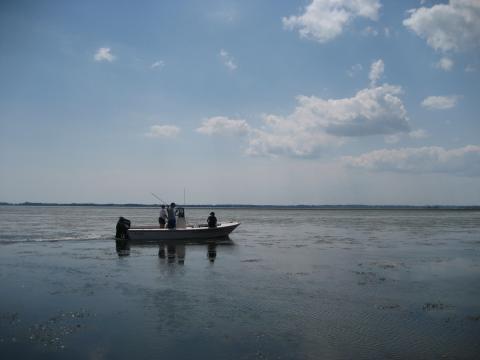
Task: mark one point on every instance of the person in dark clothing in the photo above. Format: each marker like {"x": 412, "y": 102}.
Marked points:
{"x": 122, "y": 226}
{"x": 212, "y": 220}
{"x": 172, "y": 222}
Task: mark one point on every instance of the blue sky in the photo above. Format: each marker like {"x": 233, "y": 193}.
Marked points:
{"x": 264, "y": 102}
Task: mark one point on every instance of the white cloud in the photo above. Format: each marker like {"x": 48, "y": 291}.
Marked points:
{"x": 222, "y": 125}
{"x": 414, "y": 134}
{"x": 158, "y": 64}
{"x": 431, "y": 159}
{"x": 440, "y": 102}
{"x": 282, "y": 138}
{"x": 163, "y": 131}
{"x": 376, "y": 71}
{"x": 323, "y": 20}
{"x": 445, "y": 63}
{"x": 448, "y": 27}
{"x": 104, "y": 54}
{"x": 228, "y": 60}
{"x": 317, "y": 123}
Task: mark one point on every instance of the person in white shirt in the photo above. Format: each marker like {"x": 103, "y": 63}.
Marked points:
{"x": 162, "y": 220}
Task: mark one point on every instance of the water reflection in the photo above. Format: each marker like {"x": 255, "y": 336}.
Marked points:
{"x": 212, "y": 251}
{"x": 161, "y": 251}
{"x": 171, "y": 253}
{"x": 181, "y": 253}
{"x": 174, "y": 252}
{"x": 123, "y": 247}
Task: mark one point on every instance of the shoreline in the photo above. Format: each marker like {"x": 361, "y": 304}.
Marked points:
{"x": 253, "y": 206}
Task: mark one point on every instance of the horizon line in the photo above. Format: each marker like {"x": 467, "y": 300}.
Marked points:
{"x": 233, "y": 205}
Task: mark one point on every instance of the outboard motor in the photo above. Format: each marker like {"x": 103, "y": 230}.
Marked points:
{"x": 122, "y": 226}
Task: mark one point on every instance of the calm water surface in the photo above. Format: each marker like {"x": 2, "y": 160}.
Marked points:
{"x": 289, "y": 284}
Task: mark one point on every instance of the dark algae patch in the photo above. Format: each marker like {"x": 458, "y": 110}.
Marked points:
{"x": 437, "y": 306}
{"x": 52, "y": 333}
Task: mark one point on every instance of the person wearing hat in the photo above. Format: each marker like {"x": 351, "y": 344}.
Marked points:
{"x": 212, "y": 220}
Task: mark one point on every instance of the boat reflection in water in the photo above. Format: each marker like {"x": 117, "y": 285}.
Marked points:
{"x": 175, "y": 251}
{"x": 212, "y": 251}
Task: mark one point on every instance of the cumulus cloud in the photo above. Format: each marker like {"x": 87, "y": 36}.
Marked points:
{"x": 448, "y": 27}
{"x": 163, "y": 131}
{"x": 222, "y": 125}
{"x": 376, "y": 71}
{"x": 323, "y": 20}
{"x": 228, "y": 60}
{"x": 440, "y": 102}
{"x": 430, "y": 159}
{"x": 104, "y": 54}
{"x": 317, "y": 123}
{"x": 281, "y": 137}
{"x": 445, "y": 64}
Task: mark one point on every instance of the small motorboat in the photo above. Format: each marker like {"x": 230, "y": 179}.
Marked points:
{"x": 181, "y": 232}
{"x": 154, "y": 233}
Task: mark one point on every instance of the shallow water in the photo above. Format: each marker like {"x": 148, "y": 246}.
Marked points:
{"x": 290, "y": 284}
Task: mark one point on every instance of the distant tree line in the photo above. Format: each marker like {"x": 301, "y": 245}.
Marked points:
{"x": 249, "y": 206}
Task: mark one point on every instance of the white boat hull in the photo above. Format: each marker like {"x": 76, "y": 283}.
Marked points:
{"x": 150, "y": 233}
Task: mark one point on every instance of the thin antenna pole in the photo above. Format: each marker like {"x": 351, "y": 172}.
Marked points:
{"x": 184, "y": 202}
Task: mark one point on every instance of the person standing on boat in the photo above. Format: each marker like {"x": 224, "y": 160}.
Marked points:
{"x": 162, "y": 220}
{"x": 172, "y": 222}
{"x": 212, "y": 220}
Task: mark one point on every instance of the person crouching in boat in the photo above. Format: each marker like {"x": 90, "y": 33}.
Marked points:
{"x": 212, "y": 220}
{"x": 122, "y": 228}
{"x": 162, "y": 220}
{"x": 172, "y": 223}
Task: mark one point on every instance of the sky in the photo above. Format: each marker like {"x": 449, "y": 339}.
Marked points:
{"x": 240, "y": 101}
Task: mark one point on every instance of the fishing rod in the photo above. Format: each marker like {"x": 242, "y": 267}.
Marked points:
{"x": 163, "y": 202}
